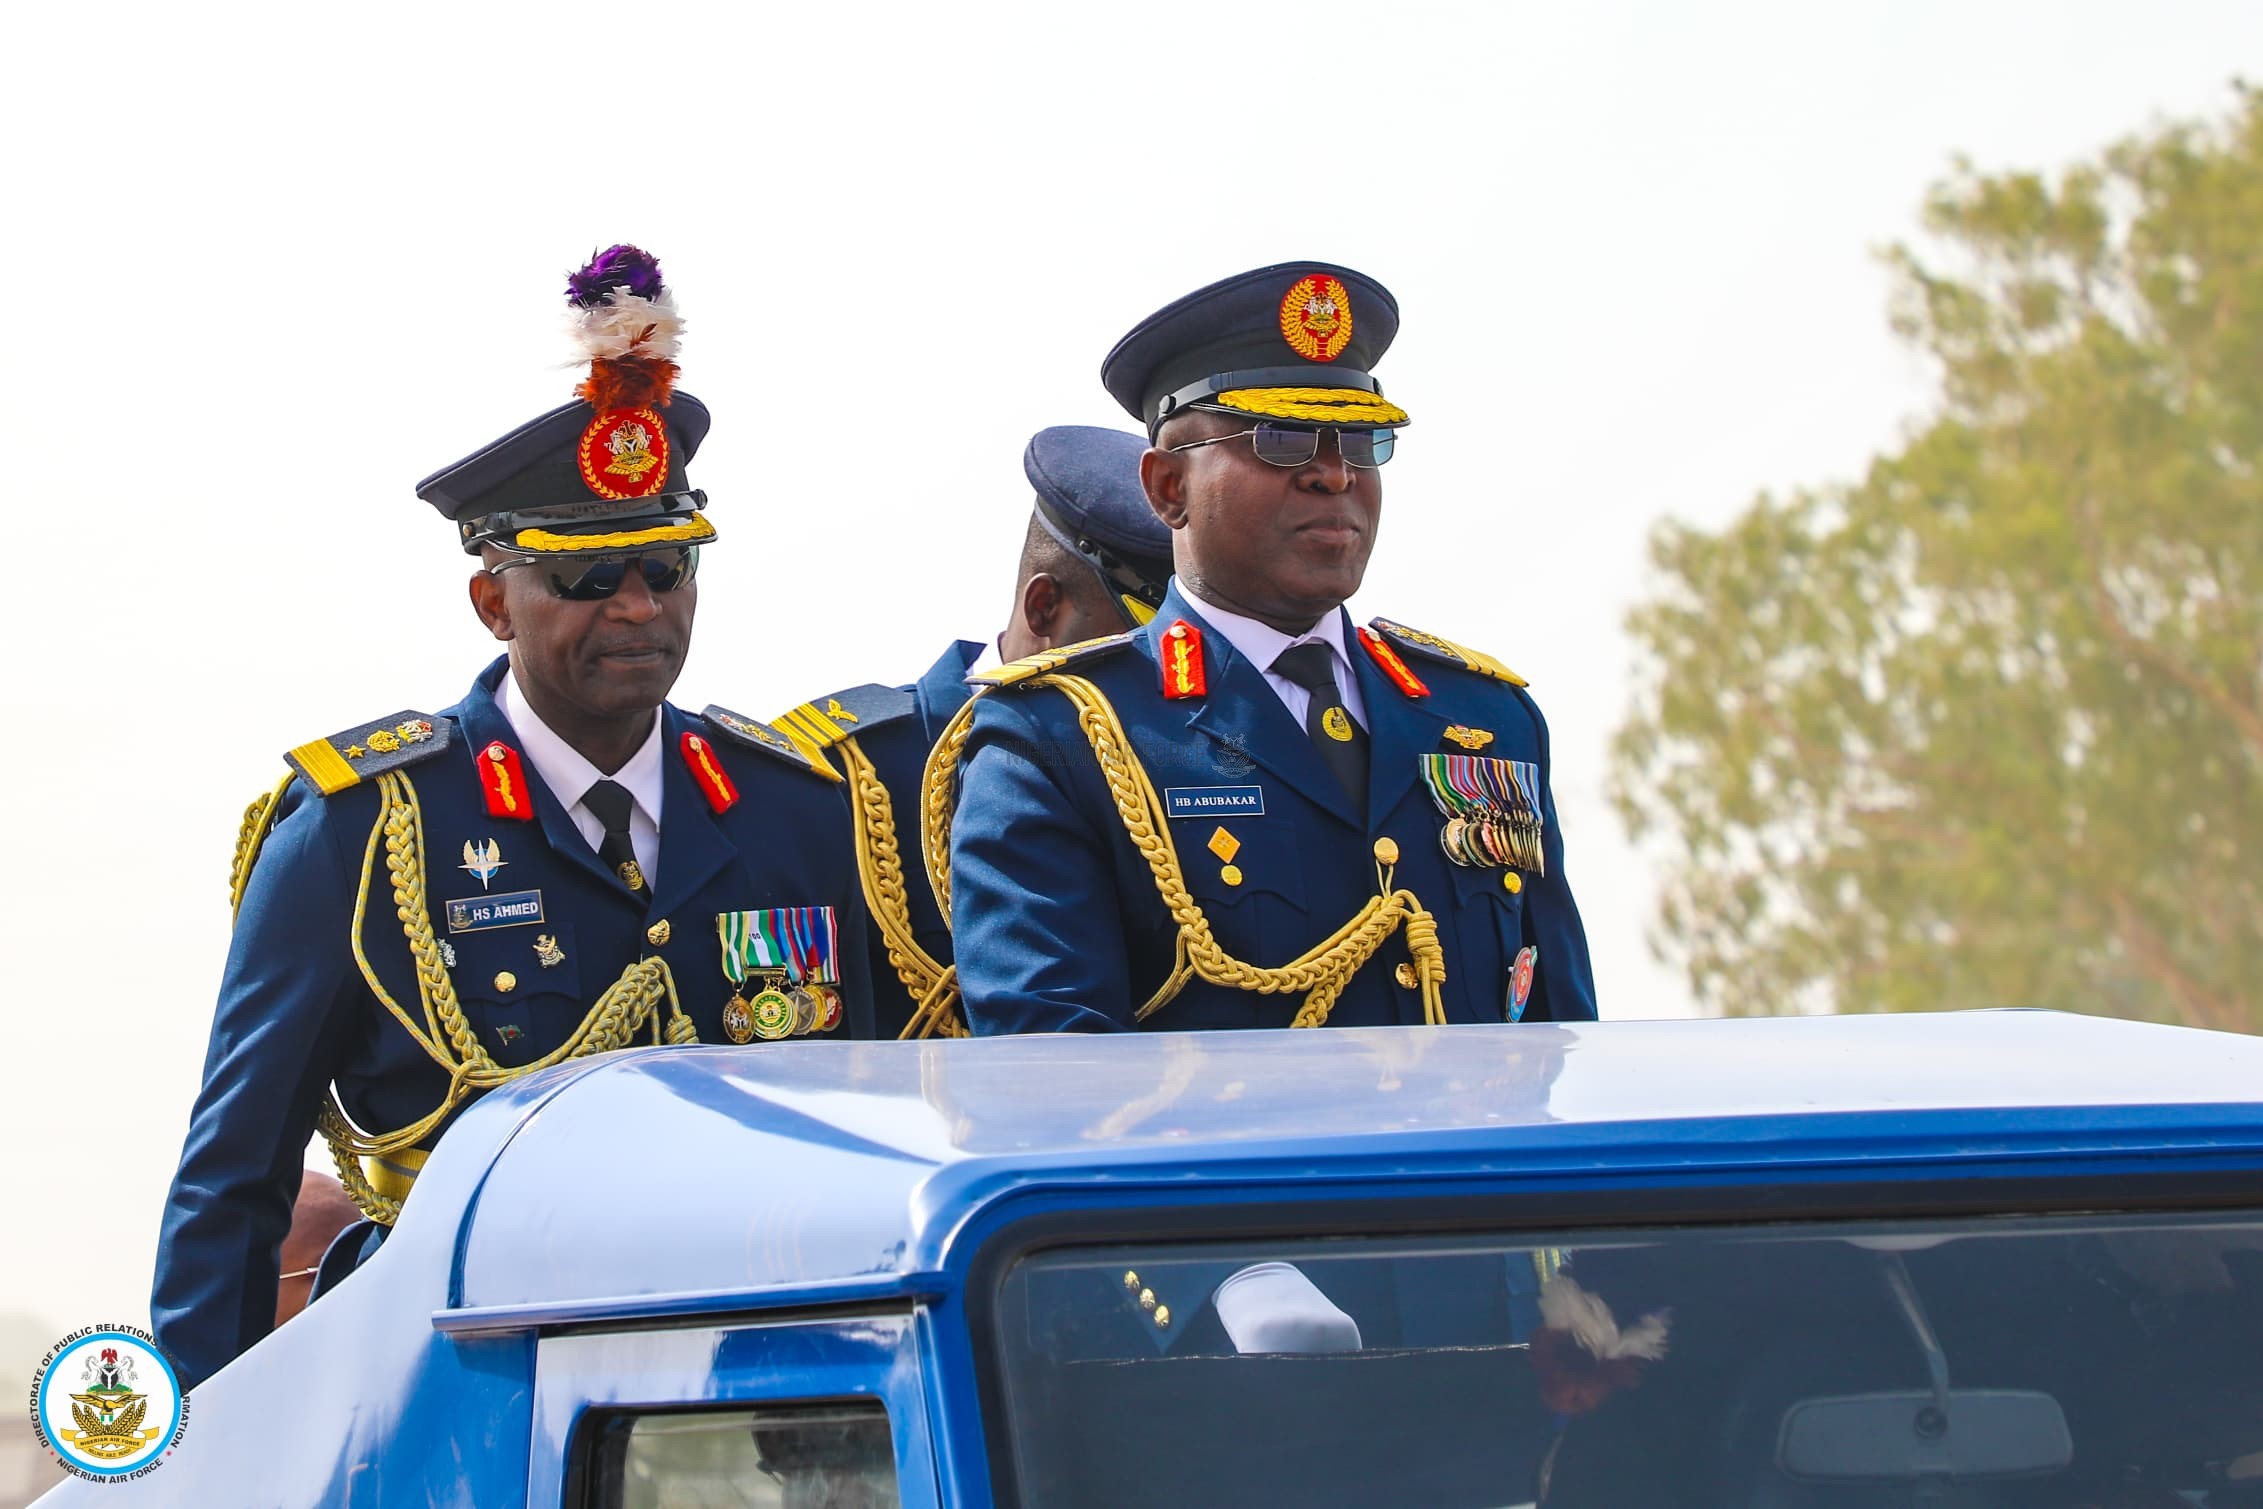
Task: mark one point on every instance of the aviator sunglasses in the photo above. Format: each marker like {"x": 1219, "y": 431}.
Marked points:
{"x": 583, "y": 581}
{"x": 1287, "y": 445}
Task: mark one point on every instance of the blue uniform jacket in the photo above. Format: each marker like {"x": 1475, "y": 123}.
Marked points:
{"x": 1057, "y": 922}
{"x": 898, "y": 750}
{"x": 295, "y": 1014}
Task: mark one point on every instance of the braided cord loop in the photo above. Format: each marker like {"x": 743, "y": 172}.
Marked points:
{"x": 880, "y": 869}
{"x": 645, "y": 993}
{"x": 251, "y": 836}
{"x": 1320, "y": 972}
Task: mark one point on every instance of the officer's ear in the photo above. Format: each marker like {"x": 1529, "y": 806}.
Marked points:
{"x": 1163, "y": 474}
{"x": 492, "y": 603}
{"x": 1044, "y": 604}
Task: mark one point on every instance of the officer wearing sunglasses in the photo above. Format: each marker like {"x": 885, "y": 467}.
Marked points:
{"x": 563, "y": 862}
{"x": 1096, "y": 561}
{"x": 1252, "y": 812}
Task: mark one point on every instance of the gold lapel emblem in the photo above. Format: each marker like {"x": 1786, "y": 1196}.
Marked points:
{"x": 1469, "y": 738}
{"x": 547, "y": 950}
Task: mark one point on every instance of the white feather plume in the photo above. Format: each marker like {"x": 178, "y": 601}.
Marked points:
{"x": 628, "y": 326}
{"x": 1565, "y": 1306}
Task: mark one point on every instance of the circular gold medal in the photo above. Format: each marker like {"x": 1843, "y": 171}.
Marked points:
{"x": 806, "y": 1010}
{"x": 1450, "y": 839}
{"x": 738, "y": 1021}
{"x": 829, "y": 1005}
{"x": 773, "y": 1015}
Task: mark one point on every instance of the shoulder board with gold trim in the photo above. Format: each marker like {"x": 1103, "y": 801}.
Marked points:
{"x": 370, "y": 749}
{"x": 1434, "y": 648}
{"x": 826, "y": 721}
{"x": 1046, "y": 661}
{"x": 753, "y": 733}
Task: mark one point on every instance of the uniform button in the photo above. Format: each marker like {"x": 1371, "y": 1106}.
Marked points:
{"x": 1512, "y": 882}
{"x": 1131, "y": 1279}
{"x": 657, "y": 934}
{"x": 1231, "y": 874}
{"x": 1387, "y": 851}
{"x": 1147, "y": 1299}
{"x": 1163, "y": 1315}
{"x": 1406, "y": 977}
{"x": 506, "y": 982}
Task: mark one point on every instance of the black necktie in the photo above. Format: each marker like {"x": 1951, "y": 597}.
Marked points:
{"x": 610, "y": 801}
{"x": 1342, "y": 743}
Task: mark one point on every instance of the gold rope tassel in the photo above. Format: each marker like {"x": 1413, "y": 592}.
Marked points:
{"x": 645, "y": 992}
{"x": 880, "y": 868}
{"x": 1320, "y": 972}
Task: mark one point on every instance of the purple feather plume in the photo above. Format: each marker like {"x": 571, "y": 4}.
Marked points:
{"x": 617, "y": 267}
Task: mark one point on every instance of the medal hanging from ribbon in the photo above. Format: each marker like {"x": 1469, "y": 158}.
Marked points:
{"x": 783, "y": 965}
{"x": 1492, "y": 810}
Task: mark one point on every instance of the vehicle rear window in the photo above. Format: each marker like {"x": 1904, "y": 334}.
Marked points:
{"x": 2110, "y": 1362}
{"x": 804, "y": 1456}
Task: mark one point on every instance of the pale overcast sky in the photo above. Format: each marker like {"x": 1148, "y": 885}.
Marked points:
{"x": 271, "y": 266}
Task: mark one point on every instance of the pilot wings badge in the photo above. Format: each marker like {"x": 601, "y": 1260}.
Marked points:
{"x": 483, "y": 857}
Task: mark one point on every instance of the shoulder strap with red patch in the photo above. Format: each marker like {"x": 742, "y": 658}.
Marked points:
{"x": 1398, "y": 637}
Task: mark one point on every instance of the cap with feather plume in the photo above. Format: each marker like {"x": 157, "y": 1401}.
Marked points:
{"x": 624, "y": 320}
{"x": 603, "y": 472}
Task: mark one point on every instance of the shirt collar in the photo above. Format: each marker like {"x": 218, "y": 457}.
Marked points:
{"x": 566, "y": 770}
{"x": 1260, "y": 643}
{"x": 989, "y": 660}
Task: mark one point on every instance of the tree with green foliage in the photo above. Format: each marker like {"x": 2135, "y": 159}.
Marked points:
{"x": 1986, "y": 727}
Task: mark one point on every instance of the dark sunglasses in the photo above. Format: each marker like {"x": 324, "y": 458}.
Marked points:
{"x": 1288, "y": 445}
{"x": 583, "y": 581}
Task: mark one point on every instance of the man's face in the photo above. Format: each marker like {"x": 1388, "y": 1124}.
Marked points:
{"x": 1283, "y": 544}
{"x": 612, "y": 659}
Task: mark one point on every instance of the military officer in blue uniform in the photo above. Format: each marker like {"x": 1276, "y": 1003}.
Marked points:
{"x": 1252, "y": 812}
{"x": 1095, "y": 561}
{"x": 561, "y": 863}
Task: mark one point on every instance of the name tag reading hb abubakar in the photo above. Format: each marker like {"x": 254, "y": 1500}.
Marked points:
{"x": 1214, "y": 801}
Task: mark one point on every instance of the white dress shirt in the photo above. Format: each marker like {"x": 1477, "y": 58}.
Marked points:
{"x": 1261, "y": 644}
{"x": 569, "y": 775}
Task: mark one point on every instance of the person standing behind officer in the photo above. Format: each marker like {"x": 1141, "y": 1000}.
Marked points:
{"x": 1095, "y": 561}
{"x": 430, "y": 905}
{"x": 1249, "y": 812}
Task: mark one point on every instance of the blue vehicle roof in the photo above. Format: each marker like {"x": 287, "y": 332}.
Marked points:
{"x": 796, "y": 1169}
{"x": 716, "y": 1181}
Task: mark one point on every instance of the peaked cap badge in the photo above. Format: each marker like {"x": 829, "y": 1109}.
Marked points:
{"x": 1316, "y": 317}
{"x": 624, "y": 454}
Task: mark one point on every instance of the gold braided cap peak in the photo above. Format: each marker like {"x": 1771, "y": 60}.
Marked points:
{"x": 1431, "y": 647}
{"x": 1049, "y": 660}
{"x": 1314, "y": 405}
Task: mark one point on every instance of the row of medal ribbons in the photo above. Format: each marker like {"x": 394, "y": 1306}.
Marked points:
{"x": 784, "y": 967}
{"x": 1492, "y": 810}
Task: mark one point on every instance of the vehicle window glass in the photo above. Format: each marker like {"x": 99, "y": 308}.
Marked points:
{"x": 2006, "y": 1361}
{"x": 828, "y": 1456}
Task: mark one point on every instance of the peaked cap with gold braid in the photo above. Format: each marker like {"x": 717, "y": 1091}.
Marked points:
{"x": 1292, "y": 342}
{"x": 603, "y": 475}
